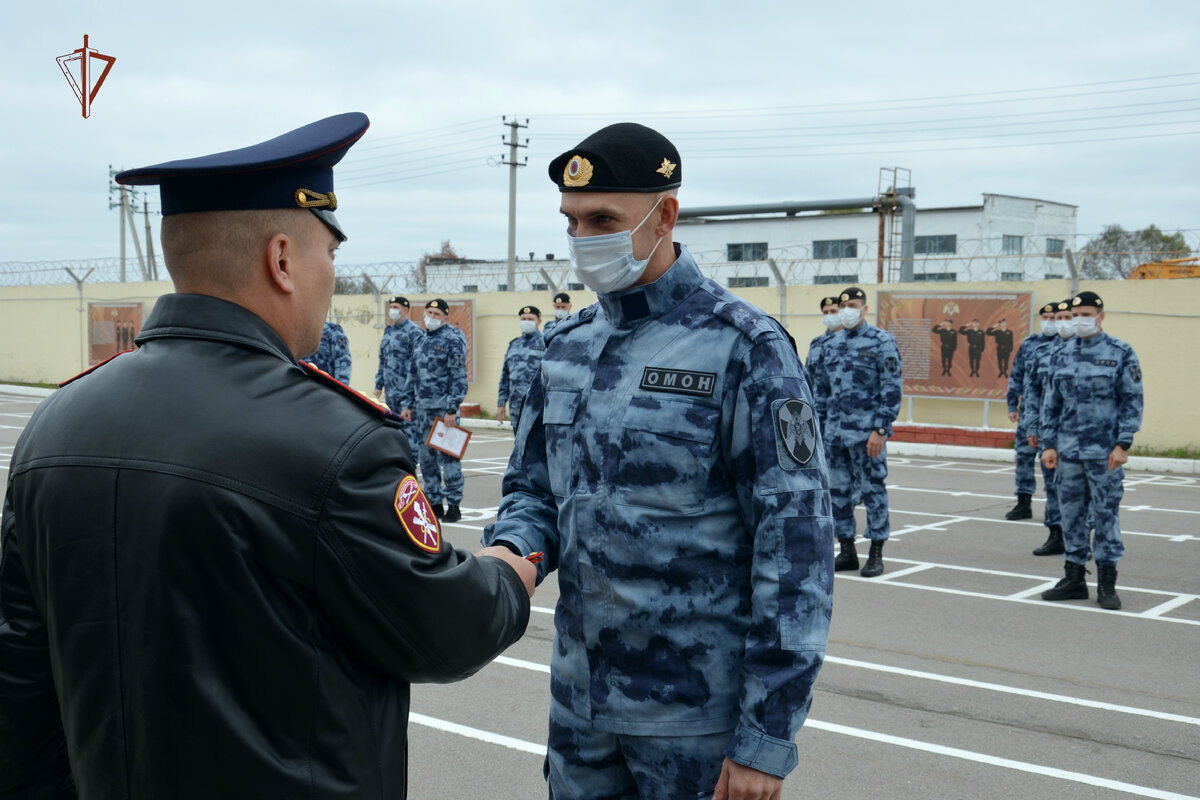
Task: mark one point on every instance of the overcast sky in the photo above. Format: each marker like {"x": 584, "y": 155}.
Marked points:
{"x": 1092, "y": 103}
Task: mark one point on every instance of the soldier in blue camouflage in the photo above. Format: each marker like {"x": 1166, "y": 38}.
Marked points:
{"x": 562, "y": 310}
{"x": 1092, "y": 409}
{"x": 1026, "y": 455}
{"x": 400, "y": 338}
{"x": 858, "y": 397}
{"x": 812, "y": 362}
{"x": 333, "y": 353}
{"x": 668, "y": 466}
{"x": 522, "y": 362}
{"x": 434, "y": 389}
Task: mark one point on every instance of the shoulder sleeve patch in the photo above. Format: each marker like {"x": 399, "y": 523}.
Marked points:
{"x": 795, "y": 433}
{"x": 416, "y": 516}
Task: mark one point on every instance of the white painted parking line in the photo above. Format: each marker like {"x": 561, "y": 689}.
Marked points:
{"x": 1169, "y": 605}
{"x": 476, "y": 733}
{"x": 908, "y": 571}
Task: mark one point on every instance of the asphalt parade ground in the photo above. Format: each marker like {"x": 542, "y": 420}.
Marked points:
{"x": 946, "y": 677}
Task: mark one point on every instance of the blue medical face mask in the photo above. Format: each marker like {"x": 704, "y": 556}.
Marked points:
{"x": 1086, "y": 326}
{"x": 1066, "y": 328}
{"x": 528, "y": 326}
{"x": 605, "y": 263}
{"x": 832, "y": 321}
{"x": 1049, "y": 327}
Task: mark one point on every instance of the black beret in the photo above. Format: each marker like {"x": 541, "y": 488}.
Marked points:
{"x": 529, "y": 310}
{"x": 439, "y": 304}
{"x": 1048, "y": 308}
{"x": 852, "y": 293}
{"x": 294, "y": 170}
{"x": 400, "y": 300}
{"x": 562, "y": 297}
{"x": 1063, "y": 305}
{"x": 828, "y": 301}
{"x": 625, "y": 157}
{"x": 1087, "y": 299}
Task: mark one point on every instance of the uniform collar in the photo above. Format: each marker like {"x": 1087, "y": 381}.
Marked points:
{"x": 861, "y": 329}
{"x": 199, "y": 316}
{"x": 631, "y": 306}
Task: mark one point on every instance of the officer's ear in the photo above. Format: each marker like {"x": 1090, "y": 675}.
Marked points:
{"x": 668, "y": 215}
{"x": 277, "y": 261}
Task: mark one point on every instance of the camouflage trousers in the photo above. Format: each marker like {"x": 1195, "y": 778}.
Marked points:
{"x": 1089, "y": 495}
{"x": 852, "y": 474}
{"x": 1027, "y": 483}
{"x": 514, "y": 413}
{"x": 441, "y": 474}
{"x": 583, "y": 763}
{"x": 410, "y": 433}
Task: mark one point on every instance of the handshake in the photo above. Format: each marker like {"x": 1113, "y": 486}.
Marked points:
{"x": 524, "y": 567}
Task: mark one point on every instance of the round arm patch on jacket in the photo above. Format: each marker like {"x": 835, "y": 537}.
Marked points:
{"x": 416, "y": 515}
{"x": 795, "y": 432}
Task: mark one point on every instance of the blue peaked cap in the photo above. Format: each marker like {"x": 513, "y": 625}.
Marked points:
{"x": 294, "y": 170}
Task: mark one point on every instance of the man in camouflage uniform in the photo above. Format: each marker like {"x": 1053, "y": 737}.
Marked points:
{"x": 522, "y": 361}
{"x": 812, "y": 362}
{"x": 1092, "y": 410}
{"x": 1026, "y": 454}
{"x": 400, "y": 338}
{"x": 435, "y": 387}
{"x": 858, "y": 398}
{"x": 668, "y": 465}
{"x": 562, "y": 310}
{"x": 333, "y": 353}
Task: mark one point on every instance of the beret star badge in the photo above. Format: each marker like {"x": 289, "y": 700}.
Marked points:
{"x": 667, "y": 169}
{"x": 578, "y": 172}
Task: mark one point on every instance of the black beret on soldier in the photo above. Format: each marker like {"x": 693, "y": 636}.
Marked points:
{"x": 1087, "y": 299}
{"x": 439, "y": 304}
{"x": 852, "y": 293}
{"x": 625, "y": 157}
{"x": 828, "y": 301}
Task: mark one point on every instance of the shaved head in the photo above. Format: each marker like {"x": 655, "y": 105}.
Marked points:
{"x": 216, "y": 251}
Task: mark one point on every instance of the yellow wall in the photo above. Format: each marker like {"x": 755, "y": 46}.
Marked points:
{"x": 43, "y": 338}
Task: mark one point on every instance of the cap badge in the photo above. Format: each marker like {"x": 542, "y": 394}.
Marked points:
{"x": 577, "y": 172}
{"x": 307, "y": 198}
{"x": 667, "y": 169}
{"x": 1076, "y": 301}
{"x": 845, "y": 297}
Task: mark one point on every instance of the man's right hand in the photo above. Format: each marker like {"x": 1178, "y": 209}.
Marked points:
{"x": 406, "y": 414}
{"x": 525, "y": 570}
{"x": 1013, "y": 416}
{"x": 378, "y": 393}
{"x": 500, "y": 413}
{"x": 1050, "y": 459}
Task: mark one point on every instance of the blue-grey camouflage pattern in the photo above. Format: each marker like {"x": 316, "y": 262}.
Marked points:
{"x": 437, "y": 372}
{"x": 522, "y": 363}
{"x": 1026, "y": 454}
{"x": 667, "y": 465}
{"x": 333, "y": 354}
{"x": 441, "y": 473}
{"x": 1031, "y": 415}
{"x": 395, "y": 353}
{"x": 551, "y": 324}
{"x": 858, "y": 389}
{"x": 1093, "y": 401}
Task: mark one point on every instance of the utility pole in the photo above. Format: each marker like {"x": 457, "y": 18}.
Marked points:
{"x": 149, "y": 241}
{"x": 512, "y": 163}
{"x": 127, "y": 210}
{"x": 120, "y": 204}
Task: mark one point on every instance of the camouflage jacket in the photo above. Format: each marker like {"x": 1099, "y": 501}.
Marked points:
{"x": 1093, "y": 398}
{"x": 521, "y": 363}
{"x": 437, "y": 372}
{"x": 395, "y": 353}
{"x": 666, "y": 462}
{"x": 333, "y": 354}
{"x": 859, "y": 386}
{"x": 1022, "y": 366}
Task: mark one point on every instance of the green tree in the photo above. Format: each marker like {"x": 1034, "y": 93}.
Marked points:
{"x": 1116, "y": 252}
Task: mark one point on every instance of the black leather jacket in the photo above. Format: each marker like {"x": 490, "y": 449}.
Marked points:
{"x": 206, "y": 590}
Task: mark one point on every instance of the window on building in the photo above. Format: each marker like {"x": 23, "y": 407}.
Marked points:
{"x": 574, "y": 287}
{"x": 749, "y": 281}
{"x": 747, "y": 251}
{"x": 836, "y": 248}
{"x": 1011, "y": 245}
{"x": 502, "y": 287}
{"x": 470, "y": 287}
{"x": 541, "y": 287}
{"x": 1050, "y": 276}
{"x": 945, "y": 243}
{"x": 826, "y": 280}
{"x": 1012, "y": 276}
{"x": 934, "y": 277}
{"x": 1054, "y": 248}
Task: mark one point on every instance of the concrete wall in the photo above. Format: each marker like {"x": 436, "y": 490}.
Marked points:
{"x": 43, "y": 339}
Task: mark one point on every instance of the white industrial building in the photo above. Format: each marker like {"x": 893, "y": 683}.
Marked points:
{"x": 887, "y": 238}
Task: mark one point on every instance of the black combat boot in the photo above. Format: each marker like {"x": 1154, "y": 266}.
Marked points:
{"x": 847, "y": 559}
{"x": 438, "y": 510}
{"x": 1054, "y": 543}
{"x": 452, "y": 513}
{"x": 1106, "y": 586}
{"x": 1023, "y": 509}
{"x": 1072, "y": 586}
{"x": 874, "y": 565}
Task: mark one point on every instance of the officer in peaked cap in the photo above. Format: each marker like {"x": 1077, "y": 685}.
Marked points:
{"x": 522, "y": 360}
{"x": 668, "y": 449}
{"x": 1092, "y": 410}
{"x": 273, "y": 576}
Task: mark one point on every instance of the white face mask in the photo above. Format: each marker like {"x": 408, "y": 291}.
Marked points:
{"x": 528, "y": 326}
{"x": 605, "y": 263}
{"x": 1049, "y": 327}
{"x": 832, "y": 321}
{"x": 850, "y": 316}
{"x": 1065, "y": 328}
{"x": 1086, "y": 326}
{"x": 432, "y": 323}
{"x": 561, "y": 313}
{"x": 393, "y": 314}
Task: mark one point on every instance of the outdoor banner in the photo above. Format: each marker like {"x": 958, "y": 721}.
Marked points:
{"x": 956, "y": 344}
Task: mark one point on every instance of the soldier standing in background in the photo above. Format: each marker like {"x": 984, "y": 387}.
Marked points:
{"x": 976, "y": 339}
{"x": 1025, "y": 453}
{"x": 521, "y": 363}
{"x": 400, "y": 337}
{"x": 949, "y": 336}
{"x": 434, "y": 389}
{"x": 562, "y": 310}
{"x": 1004, "y": 345}
{"x": 1092, "y": 410}
{"x": 333, "y": 353}
{"x": 858, "y": 398}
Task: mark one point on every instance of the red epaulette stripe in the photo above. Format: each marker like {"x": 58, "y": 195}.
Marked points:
{"x": 92, "y": 369}
{"x": 329, "y": 380}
